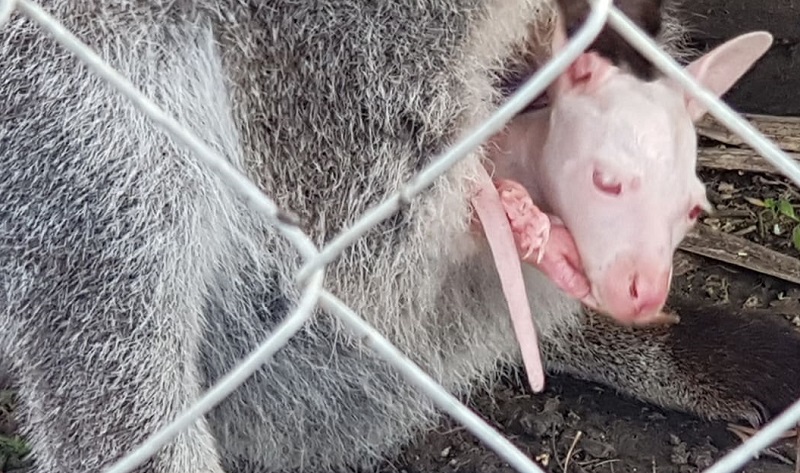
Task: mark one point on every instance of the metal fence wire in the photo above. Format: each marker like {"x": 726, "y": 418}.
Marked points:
{"x": 311, "y": 275}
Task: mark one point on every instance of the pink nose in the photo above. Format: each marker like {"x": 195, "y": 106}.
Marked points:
{"x": 647, "y": 295}
{"x": 634, "y": 294}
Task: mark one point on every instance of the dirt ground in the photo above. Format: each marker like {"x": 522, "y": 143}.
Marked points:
{"x": 587, "y": 425}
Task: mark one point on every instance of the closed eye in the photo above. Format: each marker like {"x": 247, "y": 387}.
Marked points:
{"x": 606, "y": 184}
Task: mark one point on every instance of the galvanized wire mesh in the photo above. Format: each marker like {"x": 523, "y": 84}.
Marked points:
{"x": 311, "y": 275}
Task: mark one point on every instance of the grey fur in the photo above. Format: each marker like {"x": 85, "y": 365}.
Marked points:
{"x": 132, "y": 278}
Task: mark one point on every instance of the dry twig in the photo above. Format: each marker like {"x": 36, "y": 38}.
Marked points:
{"x": 737, "y": 159}
{"x": 572, "y": 450}
{"x": 784, "y": 131}
{"x": 705, "y": 241}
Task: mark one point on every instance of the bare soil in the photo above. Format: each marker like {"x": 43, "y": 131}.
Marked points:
{"x": 580, "y": 427}
{"x": 583, "y": 427}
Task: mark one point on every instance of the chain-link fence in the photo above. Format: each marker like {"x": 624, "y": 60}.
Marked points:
{"x": 310, "y": 277}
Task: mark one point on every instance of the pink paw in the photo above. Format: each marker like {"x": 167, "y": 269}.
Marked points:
{"x": 530, "y": 226}
{"x": 534, "y": 232}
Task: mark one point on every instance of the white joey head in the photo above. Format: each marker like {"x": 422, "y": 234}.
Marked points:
{"x": 619, "y": 167}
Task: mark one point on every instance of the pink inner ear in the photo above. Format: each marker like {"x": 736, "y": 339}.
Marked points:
{"x": 581, "y": 70}
{"x": 585, "y": 75}
{"x": 721, "y": 68}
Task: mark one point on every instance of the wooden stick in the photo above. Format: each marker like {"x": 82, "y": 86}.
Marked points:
{"x": 737, "y": 159}
{"x": 705, "y": 241}
{"x": 784, "y": 131}
{"x": 797, "y": 451}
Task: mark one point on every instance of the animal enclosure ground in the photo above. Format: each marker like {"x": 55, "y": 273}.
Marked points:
{"x": 583, "y": 427}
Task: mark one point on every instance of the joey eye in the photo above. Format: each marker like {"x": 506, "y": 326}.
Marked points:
{"x": 606, "y": 184}
{"x": 695, "y": 212}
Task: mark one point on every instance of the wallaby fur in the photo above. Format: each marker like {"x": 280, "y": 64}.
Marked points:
{"x": 132, "y": 278}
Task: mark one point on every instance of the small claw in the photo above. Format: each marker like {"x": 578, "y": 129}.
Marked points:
{"x": 528, "y": 253}
{"x": 540, "y": 255}
{"x": 745, "y": 433}
{"x": 543, "y": 247}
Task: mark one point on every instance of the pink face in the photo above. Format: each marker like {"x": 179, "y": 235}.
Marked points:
{"x": 618, "y": 167}
{"x": 627, "y": 189}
